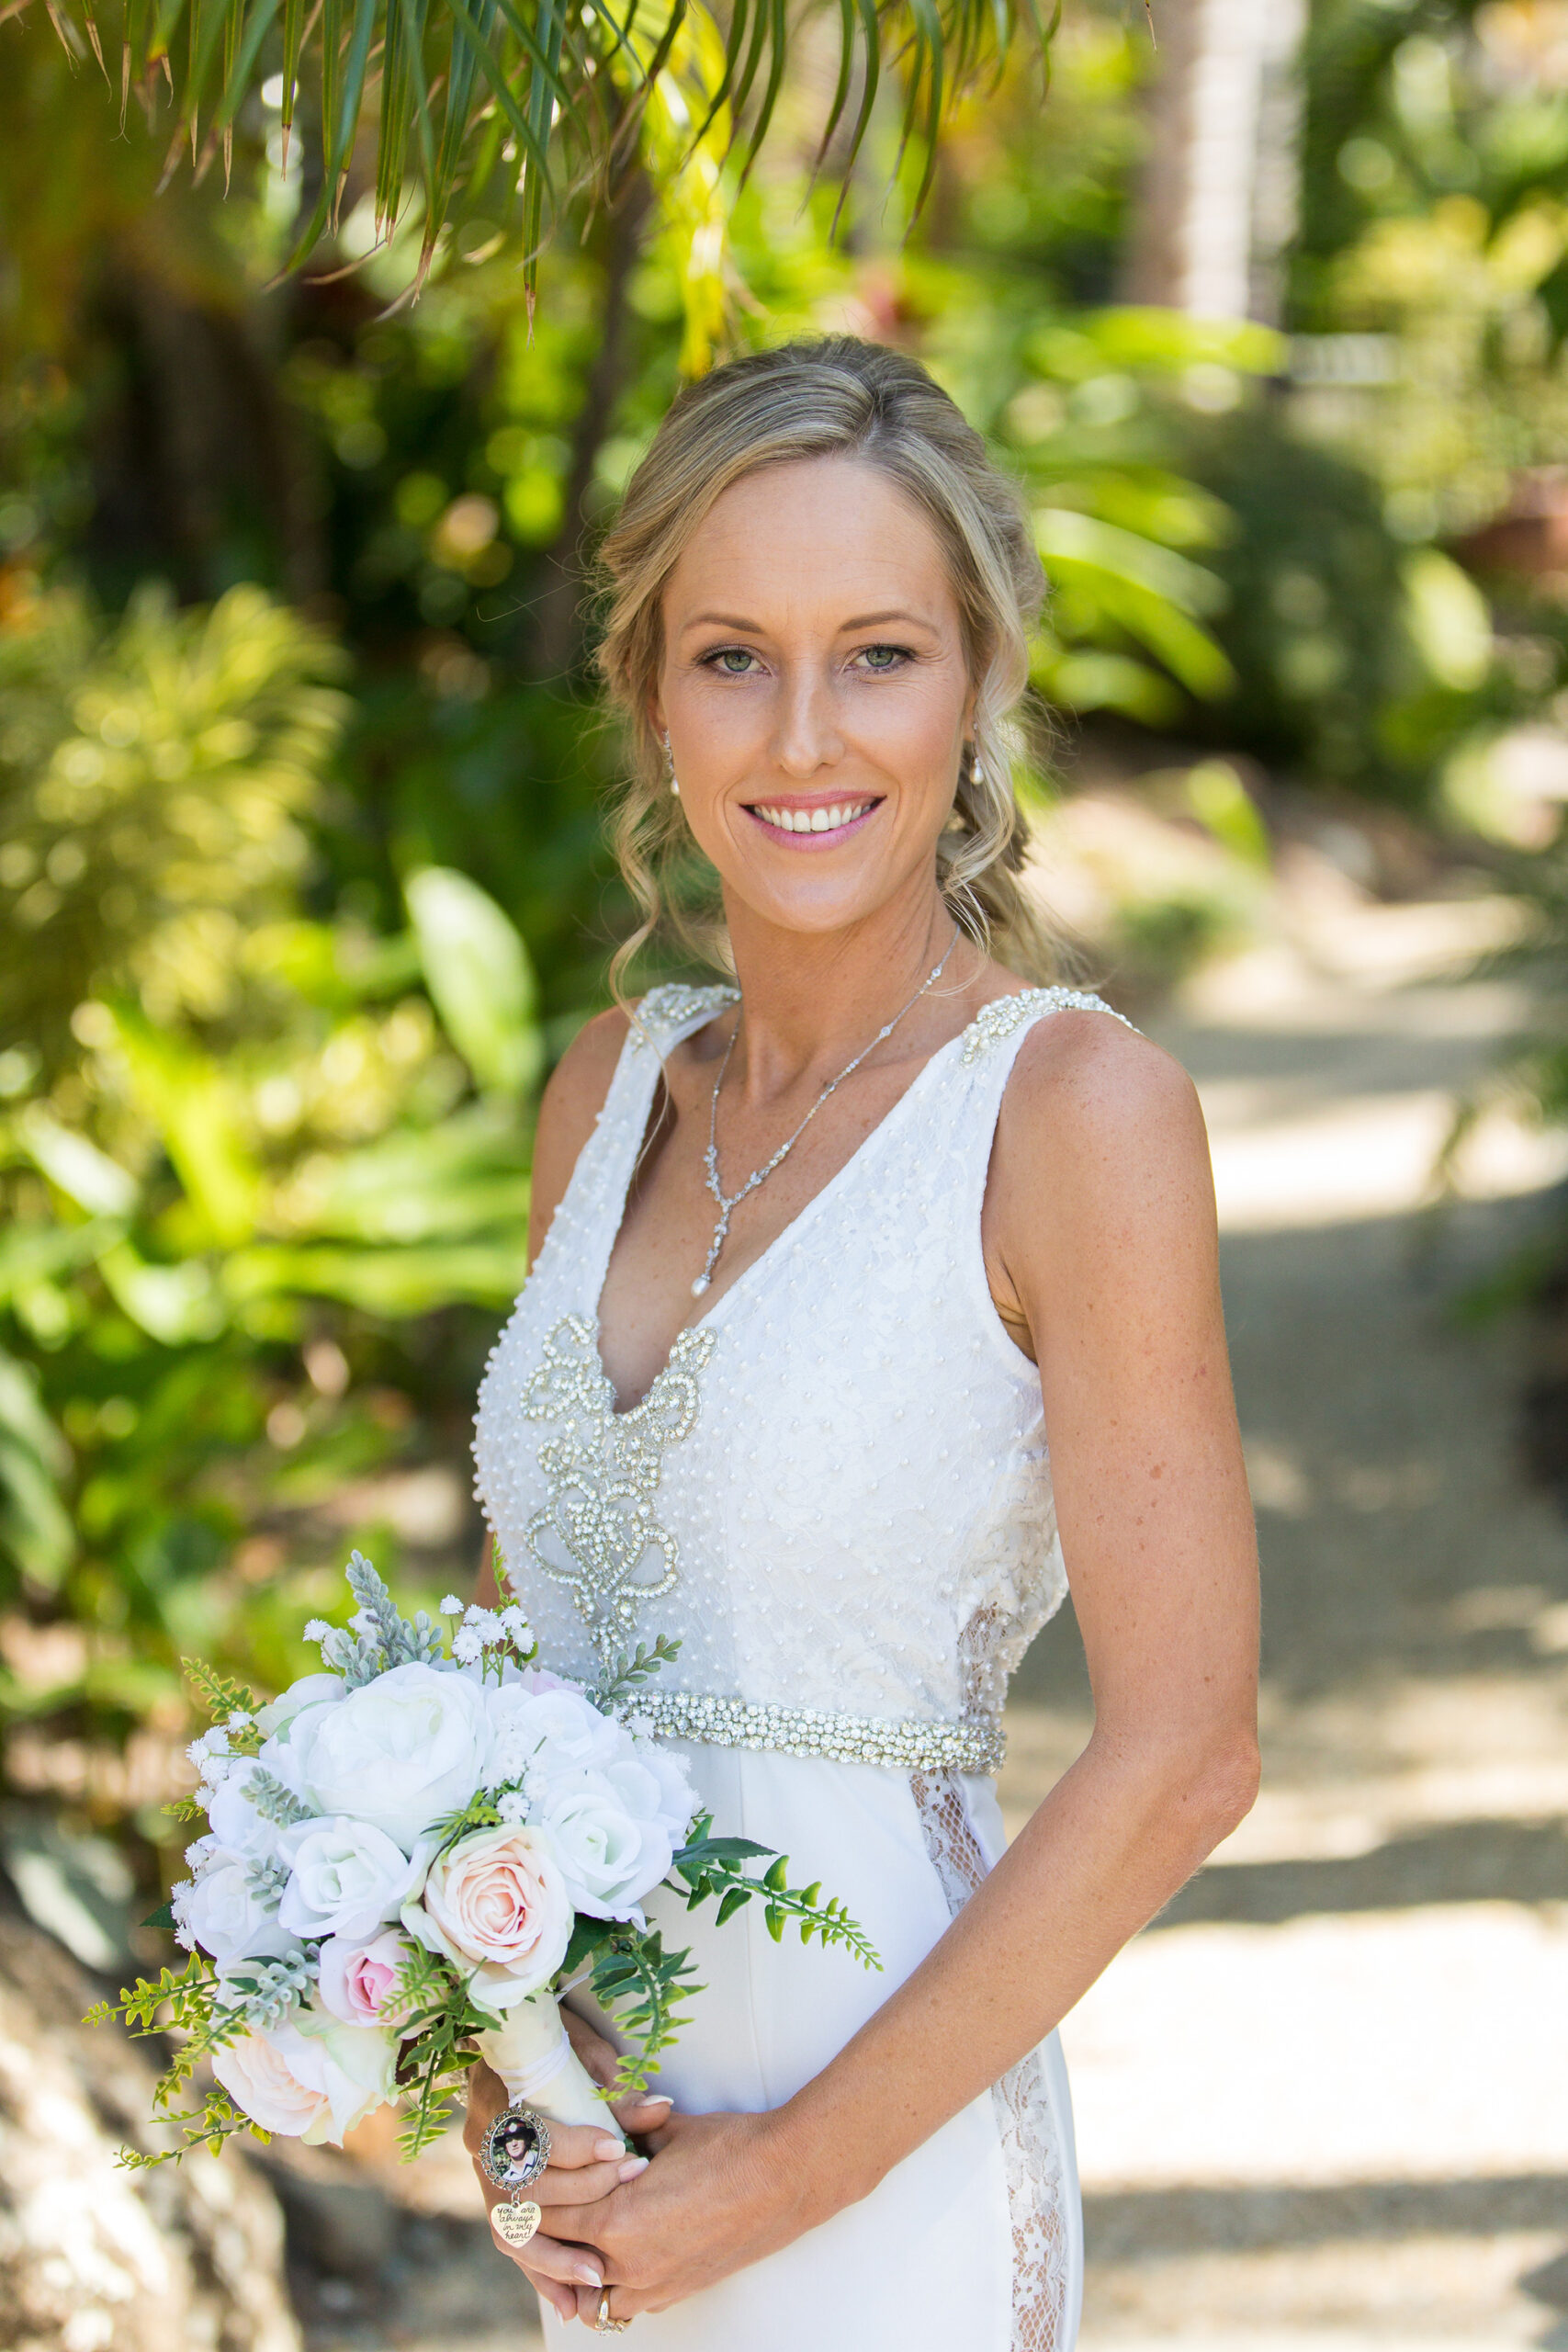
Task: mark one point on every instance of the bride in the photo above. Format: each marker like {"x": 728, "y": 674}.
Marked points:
{"x": 822, "y": 1257}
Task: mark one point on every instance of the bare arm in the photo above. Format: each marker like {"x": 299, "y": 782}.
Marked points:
{"x": 1103, "y": 1225}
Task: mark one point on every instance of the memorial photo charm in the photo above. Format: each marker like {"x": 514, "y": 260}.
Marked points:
{"x": 517, "y": 2148}
{"x": 515, "y": 2223}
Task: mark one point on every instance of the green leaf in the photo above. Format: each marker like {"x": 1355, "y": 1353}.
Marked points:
{"x": 35, "y": 1527}
{"x": 479, "y": 979}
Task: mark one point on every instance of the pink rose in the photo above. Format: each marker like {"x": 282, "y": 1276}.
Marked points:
{"x": 496, "y": 1905}
{"x": 357, "y": 1977}
{"x": 313, "y": 2079}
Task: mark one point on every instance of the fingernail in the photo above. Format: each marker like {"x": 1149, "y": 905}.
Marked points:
{"x": 659, "y": 2099}
{"x": 586, "y": 2276}
{"x": 630, "y": 2170}
{"x": 607, "y": 2148}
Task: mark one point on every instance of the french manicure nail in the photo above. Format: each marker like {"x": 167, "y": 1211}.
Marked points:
{"x": 659, "y": 2099}
{"x": 606, "y": 2149}
{"x": 585, "y": 2277}
{"x": 630, "y": 2170}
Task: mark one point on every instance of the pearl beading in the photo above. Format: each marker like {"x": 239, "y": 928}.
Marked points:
{"x": 673, "y": 1006}
{"x": 601, "y": 1474}
{"x": 904, "y": 1744}
{"x": 1005, "y": 1014}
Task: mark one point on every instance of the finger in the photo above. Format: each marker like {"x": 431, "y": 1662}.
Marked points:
{"x": 641, "y": 2112}
{"x": 574, "y": 2146}
{"x": 553, "y": 2258}
{"x": 585, "y": 2188}
{"x": 562, "y": 2300}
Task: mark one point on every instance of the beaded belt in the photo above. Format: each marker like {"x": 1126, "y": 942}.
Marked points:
{"x": 905, "y": 1743}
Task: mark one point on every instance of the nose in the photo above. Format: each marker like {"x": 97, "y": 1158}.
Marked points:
{"x": 807, "y": 736}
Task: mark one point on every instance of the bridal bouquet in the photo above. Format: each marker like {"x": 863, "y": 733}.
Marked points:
{"x": 408, "y": 1858}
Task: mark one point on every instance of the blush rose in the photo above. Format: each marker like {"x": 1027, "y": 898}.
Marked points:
{"x": 498, "y": 1905}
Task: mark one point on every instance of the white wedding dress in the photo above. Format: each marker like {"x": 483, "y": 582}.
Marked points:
{"x": 837, "y": 1495}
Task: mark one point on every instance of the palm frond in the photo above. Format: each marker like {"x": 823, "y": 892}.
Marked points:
{"x": 525, "y": 102}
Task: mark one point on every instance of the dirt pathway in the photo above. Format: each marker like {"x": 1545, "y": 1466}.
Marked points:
{"x": 1325, "y": 2101}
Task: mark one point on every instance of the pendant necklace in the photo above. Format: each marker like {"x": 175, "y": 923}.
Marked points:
{"x": 727, "y": 1208}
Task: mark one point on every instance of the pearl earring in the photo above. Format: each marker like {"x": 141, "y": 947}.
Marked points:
{"x": 670, "y": 758}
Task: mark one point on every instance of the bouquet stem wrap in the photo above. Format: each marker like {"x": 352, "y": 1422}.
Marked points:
{"x": 536, "y": 2061}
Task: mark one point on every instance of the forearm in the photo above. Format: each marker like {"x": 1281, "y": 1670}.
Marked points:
{"x": 1109, "y": 1847}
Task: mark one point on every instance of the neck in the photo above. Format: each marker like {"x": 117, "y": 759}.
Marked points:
{"x": 815, "y": 998}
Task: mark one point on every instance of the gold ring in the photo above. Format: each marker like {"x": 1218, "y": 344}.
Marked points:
{"x": 604, "y": 2325}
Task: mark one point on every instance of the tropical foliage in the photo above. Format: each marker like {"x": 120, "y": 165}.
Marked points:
{"x": 245, "y": 1142}
{"x": 492, "y": 114}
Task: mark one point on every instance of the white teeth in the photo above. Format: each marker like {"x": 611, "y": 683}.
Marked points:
{"x": 813, "y": 821}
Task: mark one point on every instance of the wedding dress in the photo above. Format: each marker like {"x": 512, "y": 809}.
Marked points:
{"x": 837, "y": 1496}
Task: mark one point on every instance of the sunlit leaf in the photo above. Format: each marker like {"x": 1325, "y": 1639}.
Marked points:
{"x": 35, "y": 1527}
{"x": 479, "y": 979}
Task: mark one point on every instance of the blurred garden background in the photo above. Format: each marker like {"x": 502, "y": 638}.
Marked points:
{"x": 302, "y": 892}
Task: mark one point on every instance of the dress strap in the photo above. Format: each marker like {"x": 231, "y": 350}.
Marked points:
{"x": 1006, "y": 1015}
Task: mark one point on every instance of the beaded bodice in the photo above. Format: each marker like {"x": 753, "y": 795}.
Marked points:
{"x": 836, "y": 1493}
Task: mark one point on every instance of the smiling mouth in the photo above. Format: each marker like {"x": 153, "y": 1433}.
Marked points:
{"x": 836, "y": 817}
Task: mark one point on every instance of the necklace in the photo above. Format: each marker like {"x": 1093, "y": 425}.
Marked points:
{"x": 727, "y": 1208}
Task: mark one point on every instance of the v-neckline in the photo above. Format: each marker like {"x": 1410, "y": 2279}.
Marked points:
{"x": 802, "y": 1216}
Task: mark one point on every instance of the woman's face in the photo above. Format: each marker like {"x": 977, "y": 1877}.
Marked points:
{"x": 816, "y": 691}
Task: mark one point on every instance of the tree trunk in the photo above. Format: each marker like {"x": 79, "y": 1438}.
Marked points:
{"x": 93, "y": 2259}
{"x": 1217, "y": 203}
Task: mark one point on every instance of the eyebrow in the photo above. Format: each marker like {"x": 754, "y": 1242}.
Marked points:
{"x": 755, "y": 629}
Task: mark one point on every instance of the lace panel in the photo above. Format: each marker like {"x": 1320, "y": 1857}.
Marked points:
{"x": 1031, "y": 2157}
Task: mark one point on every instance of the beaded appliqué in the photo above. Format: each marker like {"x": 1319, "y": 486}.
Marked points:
{"x": 1004, "y": 1014}
{"x": 668, "y": 1007}
{"x": 601, "y": 1474}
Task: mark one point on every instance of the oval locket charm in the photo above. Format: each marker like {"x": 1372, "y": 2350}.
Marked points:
{"x": 515, "y": 2223}
{"x": 516, "y": 2149}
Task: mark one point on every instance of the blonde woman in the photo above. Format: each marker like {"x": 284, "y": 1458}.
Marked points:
{"x": 824, "y": 1253}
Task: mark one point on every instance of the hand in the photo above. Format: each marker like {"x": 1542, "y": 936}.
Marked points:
{"x": 719, "y": 2194}
{"x": 585, "y": 2166}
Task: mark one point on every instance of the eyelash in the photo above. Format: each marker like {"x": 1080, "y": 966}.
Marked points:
{"x": 714, "y": 659}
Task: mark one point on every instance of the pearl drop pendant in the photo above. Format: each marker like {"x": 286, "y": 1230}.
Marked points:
{"x": 699, "y": 1285}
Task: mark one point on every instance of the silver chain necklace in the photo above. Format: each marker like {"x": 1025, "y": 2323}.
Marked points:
{"x": 727, "y": 1208}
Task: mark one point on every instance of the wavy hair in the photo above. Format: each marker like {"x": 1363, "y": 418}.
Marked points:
{"x": 835, "y": 397}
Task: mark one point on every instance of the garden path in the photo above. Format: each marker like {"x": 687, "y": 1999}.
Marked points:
{"x": 1321, "y": 2102}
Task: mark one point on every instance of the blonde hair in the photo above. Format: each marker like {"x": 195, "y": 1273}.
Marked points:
{"x": 836, "y": 397}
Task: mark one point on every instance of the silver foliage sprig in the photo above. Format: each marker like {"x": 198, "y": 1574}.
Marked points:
{"x": 275, "y": 1800}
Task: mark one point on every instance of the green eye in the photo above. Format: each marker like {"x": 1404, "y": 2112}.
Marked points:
{"x": 734, "y": 660}
{"x": 882, "y": 657}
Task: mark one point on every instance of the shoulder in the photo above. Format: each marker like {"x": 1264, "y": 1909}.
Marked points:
{"x": 568, "y": 1108}
{"x": 1099, "y": 1115}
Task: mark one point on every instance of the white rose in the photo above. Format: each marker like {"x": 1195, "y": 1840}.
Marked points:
{"x": 346, "y": 1877}
{"x": 559, "y": 1730}
{"x": 227, "y": 1914}
{"x": 497, "y": 1905}
{"x": 398, "y": 1753}
{"x": 314, "y": 2080}
{"x": 310, "y": 1690}
{"x": 235, "y": 1820}
{"x": 610, "y": 1834}
{"x": 678, "y": 1799}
